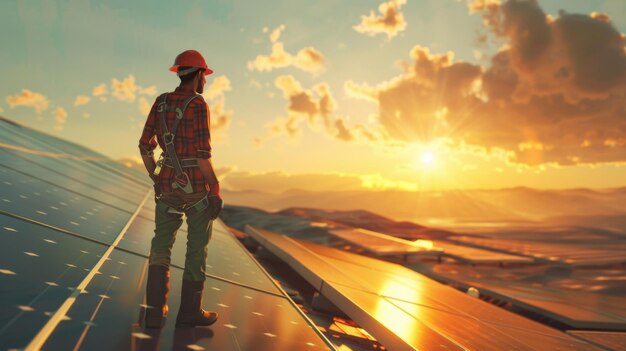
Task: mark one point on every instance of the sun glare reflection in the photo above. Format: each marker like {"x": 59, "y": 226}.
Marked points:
{"x": 426, "y": 244}
{"x": 404, "y": 324}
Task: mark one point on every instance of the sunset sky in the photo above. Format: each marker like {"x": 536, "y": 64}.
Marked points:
{"x": 340, "y": 95}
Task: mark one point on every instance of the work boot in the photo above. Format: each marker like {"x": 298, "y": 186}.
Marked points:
{"x": 191, "y": 313}
{"x": 156, "y": 296}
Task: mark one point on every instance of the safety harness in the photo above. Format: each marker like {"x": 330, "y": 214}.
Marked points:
{"x": 170, "y": 159}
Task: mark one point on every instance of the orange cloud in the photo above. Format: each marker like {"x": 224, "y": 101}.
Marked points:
{"x": 60, "y": 118}
{"x": 360, "y": 91}
{"x": 149, "y": 91}
{"x": 307, "y": 59}
{"x": 100, "y": 90}
{"x": 551, "y": 96}
{"x": 390, "y": 22}
{"x": 29, "y": 98}
{"x": 219, "y": 85}
{"x": 343, "y": 133}
{"x": 220, "y": 117}
{"x": 81, "y": 100}
{"x": 144, "y": 106}
{"x": 315, "y": 106}
{"x": 125, "y": 89}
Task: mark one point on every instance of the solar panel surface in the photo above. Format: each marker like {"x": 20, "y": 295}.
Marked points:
{"x": 406, "y": 311}
{"x": 74, "y": 240}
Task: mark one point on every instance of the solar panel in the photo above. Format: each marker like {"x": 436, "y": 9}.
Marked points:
{"x": 383, "y": 245}
{"x": 596, "y": 252}
{"x": 106, "y": 192}
{"x": 386, "y": 245}
{"x": 42, "y": 202}
{"x": 611, "y": 340}
{"x": 74, "y": 243}
{"x": 108, "y": 316}
{"x": 403, "y": 309}
{"x": 39, "y": 268}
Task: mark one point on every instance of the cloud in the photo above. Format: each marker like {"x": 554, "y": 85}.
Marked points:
{"x": 390, "y": 22}
{"x": 317, "y": 106}
{"x": 307, "y": 59}
{"x": 220, "y": 117}
{"x": 343, "y": 133}
{"x": 29, "y": 98}
{"x": 219, "y": 85}
{"x": 303, "y": 103}
{"x": 144, "y": 106}
{"x": 553, "y": 94}
{"x": 125, "y": 89}
{"x": 276, "y": 33}
{"x": 60, "y": 118}
{"x": 360, "y": 91}
{"x": 278, "y": 182}
{"x": 413, "y": 107}
{"x": 100, "y": 90}
{"x": 81, "y": 100}
{"x": 149, "y": 91}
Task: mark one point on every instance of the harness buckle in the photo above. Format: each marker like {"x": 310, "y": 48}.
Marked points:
{"x": 168, "y": 138}
{"x": 178, "y": 180}
{"x": 161, "y": 106}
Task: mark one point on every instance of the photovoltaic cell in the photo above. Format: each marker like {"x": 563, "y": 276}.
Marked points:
{"x": 84, "y": 171}
{"x": 415, "y": 313}
{"x": 97, "y": 169}
{"x": 54, "y": 206}
{"x": 611, "y": 340}
{"x": 30, "y": 138}
{"x": 67, "y": 180}
{"x": 39, "y": 268}
{"x": 31, "y": 198}
{"x": 110, "y": 312}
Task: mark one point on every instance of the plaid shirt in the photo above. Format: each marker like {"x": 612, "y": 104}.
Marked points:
{"x": 192, "y": 140}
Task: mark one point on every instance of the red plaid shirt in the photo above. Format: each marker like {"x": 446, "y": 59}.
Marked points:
{"x": 192, "y": 140}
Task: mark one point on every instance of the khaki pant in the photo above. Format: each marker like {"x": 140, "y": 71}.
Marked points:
{"x": 199, "y": 230}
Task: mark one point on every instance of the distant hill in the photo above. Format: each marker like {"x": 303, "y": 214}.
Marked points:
{"x": 368, "y": 220}
{"x": 448, "y": 207}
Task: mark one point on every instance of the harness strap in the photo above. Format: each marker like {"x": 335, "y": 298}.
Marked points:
{"x": 168, "y": 138}
{"x": 185, "y": 162}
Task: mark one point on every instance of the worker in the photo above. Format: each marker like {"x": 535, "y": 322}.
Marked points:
{"x": 185, "y": 184}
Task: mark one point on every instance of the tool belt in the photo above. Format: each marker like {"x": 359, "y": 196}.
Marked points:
{"x": 199, "y": 206}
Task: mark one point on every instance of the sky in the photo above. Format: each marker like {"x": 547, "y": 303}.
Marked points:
{"x": 339, "y": 95}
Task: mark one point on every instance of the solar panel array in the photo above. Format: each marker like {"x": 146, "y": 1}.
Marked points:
{"x": 75, "y": 231}
{"x": 386, "y": 245}
{"x": 594, "y": 251}
{"x": 575, "y": 309}
{"x": 405, "y": 310}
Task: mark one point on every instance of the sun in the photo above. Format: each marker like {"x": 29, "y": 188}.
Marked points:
{"x": 428, "y": 158}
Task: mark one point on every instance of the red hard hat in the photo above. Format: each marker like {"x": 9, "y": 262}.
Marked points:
{"x": 191, "y": 58}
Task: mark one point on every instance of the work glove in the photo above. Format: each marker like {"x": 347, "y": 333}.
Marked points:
{"x": 215, "y": 206}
